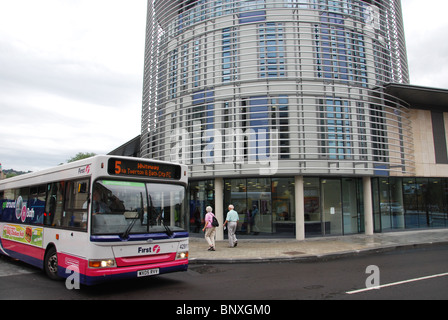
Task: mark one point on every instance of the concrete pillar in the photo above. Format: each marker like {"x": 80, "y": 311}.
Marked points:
{"x": 219, "y": 207}
{"x": 368, "y": 205}
{"x": 300, "y": 208}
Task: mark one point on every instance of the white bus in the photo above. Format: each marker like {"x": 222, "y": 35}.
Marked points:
{"x": 106, "y": 217}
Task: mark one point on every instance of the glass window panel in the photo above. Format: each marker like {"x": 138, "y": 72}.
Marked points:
{"x": 313, "y": 226}
{"x": 258, "y": 216}
{"x": 283, "y": 205}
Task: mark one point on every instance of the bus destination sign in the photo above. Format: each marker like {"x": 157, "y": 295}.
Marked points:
{"x": 133, "y": 168}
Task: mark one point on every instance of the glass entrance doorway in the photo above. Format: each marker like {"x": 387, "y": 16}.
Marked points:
{"x": 333, "y": 206}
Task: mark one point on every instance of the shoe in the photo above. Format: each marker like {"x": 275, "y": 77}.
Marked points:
{"x": 210, "y": 249}
{"x": 236, "y": 243}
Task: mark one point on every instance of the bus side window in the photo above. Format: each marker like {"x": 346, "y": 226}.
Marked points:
{"x": 7, "y": 210}
{"x": 36, "y": 202}
{"x": 54, "y": 204}
{"x": 76, "y": 204}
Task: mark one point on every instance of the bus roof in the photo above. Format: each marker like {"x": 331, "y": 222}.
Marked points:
{"x": 72, "y": 170}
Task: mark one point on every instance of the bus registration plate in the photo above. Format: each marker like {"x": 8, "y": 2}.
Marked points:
{"x": 147, "y": 272}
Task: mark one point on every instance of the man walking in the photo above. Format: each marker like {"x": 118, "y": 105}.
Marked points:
{"x": 232, "y": 219}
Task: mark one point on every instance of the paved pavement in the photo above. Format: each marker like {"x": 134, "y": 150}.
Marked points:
{"x": 266, "y": 250}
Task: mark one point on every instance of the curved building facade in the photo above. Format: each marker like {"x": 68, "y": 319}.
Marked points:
{"x": 278, "y": 106}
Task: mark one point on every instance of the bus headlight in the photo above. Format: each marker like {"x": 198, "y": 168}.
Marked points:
{"x": 105, "y": 263}
{"x": 182, "y": 255}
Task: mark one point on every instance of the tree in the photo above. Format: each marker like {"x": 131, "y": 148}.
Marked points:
{"x": 81, "y": 155}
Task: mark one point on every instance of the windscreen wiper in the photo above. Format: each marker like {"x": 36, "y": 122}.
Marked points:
{"x": 129, "y": 228}
{"x": 150, "y": 212}
{"x": 168, "y": 231}
{"x": 136, "y": 217}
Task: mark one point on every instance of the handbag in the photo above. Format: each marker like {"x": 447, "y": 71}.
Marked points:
{"x": 215, "y": 222}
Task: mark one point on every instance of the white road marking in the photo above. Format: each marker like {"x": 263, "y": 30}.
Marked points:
{"x": 398, "y": 283}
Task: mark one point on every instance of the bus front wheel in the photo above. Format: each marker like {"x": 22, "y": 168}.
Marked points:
{"x": 51, "y": 264}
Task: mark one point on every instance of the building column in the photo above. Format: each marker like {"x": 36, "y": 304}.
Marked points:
{"x": 219, "y": 207}
{"x": 368, "y": 205}
{"x": 300, "y": 207}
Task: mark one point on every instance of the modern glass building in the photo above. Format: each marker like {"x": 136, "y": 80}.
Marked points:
{"x": 281, "y": 107}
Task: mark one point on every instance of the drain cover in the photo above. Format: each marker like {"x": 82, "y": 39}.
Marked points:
{"x": 313, "y": 287}
{"x": 205, "y": 269}
{"x": 293, "y": 253}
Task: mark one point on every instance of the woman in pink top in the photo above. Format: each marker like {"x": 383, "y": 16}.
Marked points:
{"x": 209, "y": 229}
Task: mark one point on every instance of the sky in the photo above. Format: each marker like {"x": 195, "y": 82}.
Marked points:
{"x": 71, "y": 76}
{"x": 71, "y": 73}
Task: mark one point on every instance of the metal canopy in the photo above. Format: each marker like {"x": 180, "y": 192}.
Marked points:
{"x": 419, "y": 97}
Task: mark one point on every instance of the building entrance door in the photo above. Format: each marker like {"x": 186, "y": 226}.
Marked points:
{"x": 331, "y": 207}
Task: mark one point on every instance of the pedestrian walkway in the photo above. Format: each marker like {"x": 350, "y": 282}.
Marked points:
{"x": 266, "y": 250}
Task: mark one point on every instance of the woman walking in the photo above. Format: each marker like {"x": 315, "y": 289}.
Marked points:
{"x": 209, "y": 229}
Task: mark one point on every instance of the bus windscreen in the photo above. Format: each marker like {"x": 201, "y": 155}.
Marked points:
{"x": 123, "y": 208}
